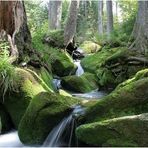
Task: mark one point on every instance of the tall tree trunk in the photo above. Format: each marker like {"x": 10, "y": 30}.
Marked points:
{"x": 100, "y": 17}
{"x": 116, "y": 11}
{"x": 55, "y": 14}
{"x": 109, "y": 17}
{"x": 140, "y": 31}
{"x": 71, "y": 24}
{"x": 14, "y": 21}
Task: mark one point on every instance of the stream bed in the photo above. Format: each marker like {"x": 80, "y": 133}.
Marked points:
{"x": 65, "y": 127}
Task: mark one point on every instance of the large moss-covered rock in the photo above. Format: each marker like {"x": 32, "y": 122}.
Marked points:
{"x": 113, "y": 66}
{"x": 93, "y": 62}
{"x": 26, "y": 85}
{"x": 89, "y": 47}
{"x": 83, "y": 83}
{"x": 5, "y": 120}
{"x": 45, "y": 111}
{"x": 122, "y": 132}
{"x": 130, "y": 97}
{"x": 61, "y": 62}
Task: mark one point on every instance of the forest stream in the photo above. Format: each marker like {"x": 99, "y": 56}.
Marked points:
{"x": 73, "y": 73}
{"x": 66, "y": 127}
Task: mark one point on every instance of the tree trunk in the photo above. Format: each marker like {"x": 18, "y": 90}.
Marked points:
{"x": 14, "y": 21}
{"x": 116, "y": 12}
{"x": 100, "y": 17}
{"x": 71, "y": 24}
{"x": 140, "y": 31}
{"x": 109, "y": 17}
{"x": 55, "y": 14}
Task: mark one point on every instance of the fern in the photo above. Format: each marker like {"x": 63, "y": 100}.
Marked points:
{"x": 7, "y": 70}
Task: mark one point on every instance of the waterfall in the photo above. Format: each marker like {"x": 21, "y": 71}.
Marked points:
{"x": 57, "y": 83}
{"x": 64, "y": 129}
{"x": 79, "y": 70}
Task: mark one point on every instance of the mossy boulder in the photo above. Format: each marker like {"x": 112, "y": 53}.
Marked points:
{"x": 112, "y": 66}
{"x": 122, "y": 132}
{"x": 89, "y": 47}
{"x": 93, "y": 62}
{"x": 45, "y": 111}
{"x": 61, "y": 62}
{"x": 55, "y": 38}
{"x": 5, "y": 120}
{"x": 84, "y": 83}
{"x": 130, "y": 97}
{"x": 26, "y": 85}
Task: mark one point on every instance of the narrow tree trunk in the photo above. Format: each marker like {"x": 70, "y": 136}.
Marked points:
{"x": 116, "y": 11}
{"x": 71, "y": 24}
{"x": 55, "y": 14}
{"x": 140, "y": 31}
{"x": 100, "y": 17}
{"x": 109, "y": 17}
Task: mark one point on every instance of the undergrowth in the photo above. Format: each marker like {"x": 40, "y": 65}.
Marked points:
{"x": 7, "y": 70}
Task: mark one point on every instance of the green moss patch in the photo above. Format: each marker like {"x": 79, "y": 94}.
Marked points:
{"x": 84, "y": 83}
{"x": 45, "y": 111}
{"x": 124, "y": 131}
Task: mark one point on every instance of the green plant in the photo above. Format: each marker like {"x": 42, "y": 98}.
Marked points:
{"x": 7, "y": 70}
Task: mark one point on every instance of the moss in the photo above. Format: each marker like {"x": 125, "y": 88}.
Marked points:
{"x": 46, "y": 77}
{"x": 90, "y": 47}
{"x": 128, "y": 98}
{"x": 45, "y": 111}
{"x": 28, "y": 85}
{"x": 64, "y": 93}
{"x": 84, "y": 83}
{"x": 94, "y": 62}
{"x": 55, "y": 38}
{"x": 123, "y": 131}
{"x": 111, "y": 65}
{"x": 61, "y": 62}
{"x": 105, "y": 77}
{"x": 5, "y": 120}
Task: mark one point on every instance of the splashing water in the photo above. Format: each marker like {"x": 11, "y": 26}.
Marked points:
{"x": 66, "y": 126}
{"x": 79, "y": 70}
{"x": 57, "y": 83}
{"x": 10, "y": 139}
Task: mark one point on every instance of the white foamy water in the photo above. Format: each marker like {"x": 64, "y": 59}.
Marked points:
{"x": 55, "y": 138}
{"x": 95, "y": 94}
{"x": 10, "y": 139}
{"x": 79, "y": 70}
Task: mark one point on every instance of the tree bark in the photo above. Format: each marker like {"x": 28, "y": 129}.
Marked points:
{"x": 54, "y": 14}
{"x": 140, "y": 31}
{"x": 14, "y": 21}
{"x": 71, "y": 24}
{"x": 100, "y": 17}
{"x": 109, "y": 17}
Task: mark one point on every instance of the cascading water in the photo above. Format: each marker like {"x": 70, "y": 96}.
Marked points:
{"x": 57, "y": 83}
{"x": 62, "y": 134}
{"x": 79, "y": 70}
{"x": 95, "y": 94}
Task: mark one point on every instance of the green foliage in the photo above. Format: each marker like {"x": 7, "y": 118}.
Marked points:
{"x": 7, "y": 74}
{"x": 37, "y": 37}
{"x": 37, "y": 14}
